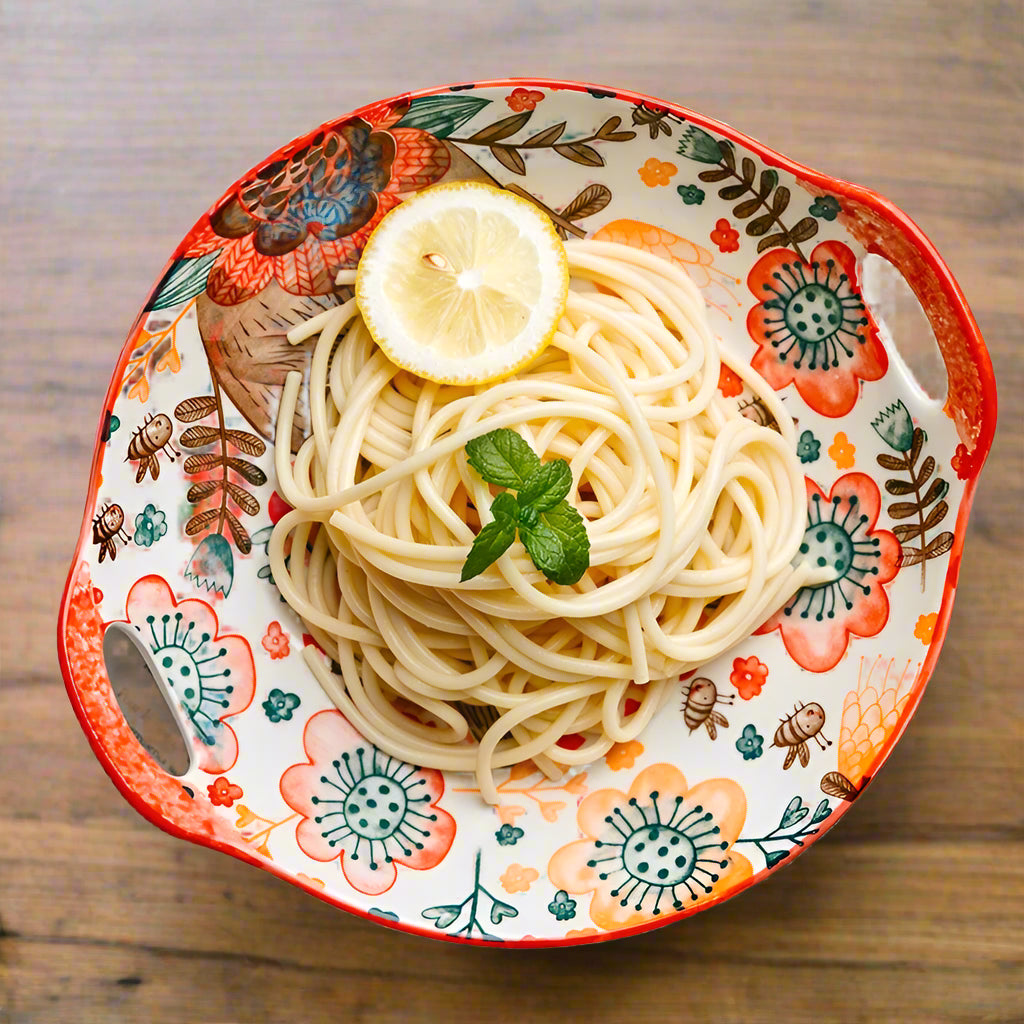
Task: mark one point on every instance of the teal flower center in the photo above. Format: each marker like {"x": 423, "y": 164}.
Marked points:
{"x": 659, "y": 855}
{"x": 192, "y": 666}
{"x": 653, "y": 855}
{"x": 838, "y": 546}
{"x": 374, "y": 807}
{"x": 814, "y": 313}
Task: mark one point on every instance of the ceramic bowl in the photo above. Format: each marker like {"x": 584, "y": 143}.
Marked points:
{"x": 736, "y": 776}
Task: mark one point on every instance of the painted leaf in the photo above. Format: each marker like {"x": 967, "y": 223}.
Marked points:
{"x": 546, "y": 137}
{"x": 499, "y": 911}
{"x": 441, "y": 115}
{"x": 728, "y": 156}
{"x": 197, "y": 492}
{"x": 200, "y": 521}
{"x": 907, "y": 531}
{"x": 252, "y": 473}
{"x": 749, "y": 169}
{"x": 609, "y": 131}
{"x": 795, "y": 812}
{"x": 773, "y": 857}
{"x": 937, "y": 514}
{"x": 192, "y": 409}
{"x": 926, "y": 470}
{"x": 821, "y": 812}
{"x": 245, "y": 442}
{"x": 804, "y": 229}
{"x": 243, "y": 499}
{"x": 899, "y": 487}
{"x": 510, "y": 158}
{"x": 197, "y": 436}
{"x": 916, "y": 445}
{"x": 185, "y": 279}
{"x": 731, "y": 192}
{"x": 443, "y": 916}
{"x": 593, "y": 199}
{"x": 238, "y": 533}
{"x": 201, "y": 463}
{"x": 836, "y": 784}
{"x": 580, "y": 153}
{"x": 937, "y": 490}
{"x": 747, "y": 207}
{"x": 717, "y": 175}
{"x": 902, "y": 509}
{"x": 759, "y": 225}
{"x": 780, "y": 200}
{"x": 503, "y": 129}
{"x": 241, "y": 272}
{"x": 768, "y": 181}
{"x": 890, "y": 462}
{"x": 769, "y": 241}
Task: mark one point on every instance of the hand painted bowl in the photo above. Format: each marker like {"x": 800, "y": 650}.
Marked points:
{"x": 738, "y": 774}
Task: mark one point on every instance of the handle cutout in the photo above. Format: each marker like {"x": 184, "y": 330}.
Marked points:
{"x": 144, "y": 701}
{"x": 906, "y": 333}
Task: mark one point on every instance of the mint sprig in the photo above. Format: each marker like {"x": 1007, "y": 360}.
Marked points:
{"x": 551, "y": 530}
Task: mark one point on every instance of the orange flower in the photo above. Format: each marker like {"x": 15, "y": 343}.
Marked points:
{"x": 661, "y": 846}
{"x": 579, "y": 933}
{"x": 871, "y": 713}
{"x": 965, "y": 463}
{"x": 725, "y": 236}
{"x": 656, "y": 172}
{"x": 729, "y": 383}
{"x": 925, "y": 628}
{"x": 523, "y": 99}
{"x": 275, "y": 641}
{"x": 518, "y": 878}
{"x": 309, "y": 880}
{"x": 842, "y": 451}
{"x": 624, "y": 755}
{"x": 748, "y": 676}
{"x": 223, "y": 793}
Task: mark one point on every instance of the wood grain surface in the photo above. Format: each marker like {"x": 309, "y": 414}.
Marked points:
{"x": 122, "y": 120}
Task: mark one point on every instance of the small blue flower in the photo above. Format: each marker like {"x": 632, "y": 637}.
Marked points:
{"x": 808, "y": 448}
{"x": 508, "y": 835}
{"x": 825, "y": 207}
{"x": 692, "y": 195}
{"x": 150, "y": 526}
{"x": 750, "y": 743}
{"x": 279, "y": 705}
{"x": 212, "y": 566}
{"x": 562, "y": 907}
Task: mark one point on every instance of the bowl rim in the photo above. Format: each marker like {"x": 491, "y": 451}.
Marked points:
{"x": 868, "y": 198}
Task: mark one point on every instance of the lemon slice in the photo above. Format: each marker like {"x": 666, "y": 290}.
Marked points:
{"x": 463, "y": 283}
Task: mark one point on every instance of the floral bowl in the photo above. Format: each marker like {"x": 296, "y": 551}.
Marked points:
{"x": 752, "y": 761}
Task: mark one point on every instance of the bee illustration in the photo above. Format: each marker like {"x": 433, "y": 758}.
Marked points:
{"x": 701, "y": 696}
{"x": 148, "y": 441}
{"x": 107, "y": 529}
{"x": 806, "y": 722}
{"x": 654, "y": 118}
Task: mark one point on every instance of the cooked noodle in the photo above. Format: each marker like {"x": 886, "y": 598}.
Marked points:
{"x": 694, "y": 515}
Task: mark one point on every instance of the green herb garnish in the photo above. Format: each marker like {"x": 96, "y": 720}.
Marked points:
{"x": 551, "y": 530}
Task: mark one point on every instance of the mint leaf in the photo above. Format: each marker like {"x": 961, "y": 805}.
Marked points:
{"x": 493, "y": 540}
{"x": 558, "y": 544}
{"x": 505, "y": 506}
{"x": 502, "y": 457}
{"x": 547, "y": 486}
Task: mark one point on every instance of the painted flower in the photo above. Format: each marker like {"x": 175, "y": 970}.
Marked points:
{"x": 729, "y": 383}
{"x": 825, "y": 207}
{"x": 750, "y": 743}
{"x": 579, "y": 933}
{"x": 659, "y": 847}
{"x": 365, "y": 809}
{"x": 856, "y": 560}
{"x": 523, "y": 99}
{"x": 224, "y": 793}
{"x": 812, "y": 327}
{"x": 725, "y": 236}
{"x": 965, "y": 463}
{"x": 808, "y": 448}
{"x": 150, "y": 526}
{"x": 841, "y": 451}
{"x": 623, "y": 755}
{"x": 518, "y": 878}
{"x": 562, "y": 907}
{"x": 656, "y": 172}
{"x": 871, "y": 713}
{"x": 212, "y": 565}
{"x": 748, "y": 676}
{"x": 307, "y": 212}
{"x": 508, "y": 835}
{"x": 925, "y": 628}
{"x": 212, "y": 676}
{"x": 691, "y": 195}
{"x": 697, "y": 144}
{"x": 275, "y": 641}
{"x": 895, "y": 427}
{"x": 278, "y": 706}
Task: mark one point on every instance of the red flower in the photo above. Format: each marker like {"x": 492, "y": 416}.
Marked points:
{"x": 523, "y": 99}
{"x": 364, "y": 809}
{"x": 224, "y": 793}
{"x": 965, "y": 463}
{"x": 817, "y": 623}
{"x": 729, "y": 383}
{"x": 725, "y": 236}
{"x": 275, "y": 641}
{"x": 812, "y": 327}
{"x": 748, "y": 676}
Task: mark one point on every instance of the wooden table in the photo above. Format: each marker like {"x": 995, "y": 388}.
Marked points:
{"x": 122, "y": 121}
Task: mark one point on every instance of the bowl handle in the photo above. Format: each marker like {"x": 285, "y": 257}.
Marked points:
{"x": 166, "y": 801}
{"x": 885, "y": 230}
